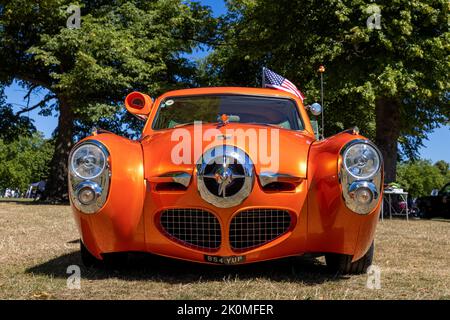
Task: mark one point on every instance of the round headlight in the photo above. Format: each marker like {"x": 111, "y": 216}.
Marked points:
{"x": 88, "y": 161}
{"x": 361, "y": 160}
{"x": 86, "y": 196}
{"x": 363, "y": 196}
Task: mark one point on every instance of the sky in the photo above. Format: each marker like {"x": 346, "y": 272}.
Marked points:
{"x": 437, "y": 147}
{"x": 218, "y": 6}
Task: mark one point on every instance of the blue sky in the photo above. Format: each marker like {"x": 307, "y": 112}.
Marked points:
{"x": 218, "y": 6}
{"x": 437, "y": 147}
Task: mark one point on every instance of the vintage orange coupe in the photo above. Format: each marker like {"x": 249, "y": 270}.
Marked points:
{"x": 226, "y": 176}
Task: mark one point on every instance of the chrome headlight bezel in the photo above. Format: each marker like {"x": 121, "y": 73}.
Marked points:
{"x": 351, "y": 182}
{"x": 98, "y": 183}
{"x": 102, "y": 152}
{"x": 365, "y": 146}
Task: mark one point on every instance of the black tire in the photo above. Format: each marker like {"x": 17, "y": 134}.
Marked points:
{"x": 87, "y": 258}
{"x": 110, "y": 261}
{"x": 425, "y": 214}
{"x": 342, "y": 264}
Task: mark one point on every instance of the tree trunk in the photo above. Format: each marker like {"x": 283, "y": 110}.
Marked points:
{"x": 387, "y": 114}
{"x": 57, "y": 186}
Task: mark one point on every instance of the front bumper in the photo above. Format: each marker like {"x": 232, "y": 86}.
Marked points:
{"x": 316, "y": 227}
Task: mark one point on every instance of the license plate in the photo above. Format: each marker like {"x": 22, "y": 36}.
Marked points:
{"x": 225, "y": 260}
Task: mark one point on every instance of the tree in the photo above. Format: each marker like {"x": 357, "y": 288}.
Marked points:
{"x": 419, "y": 178}
{"x": 24, "y": 161}
{"x": 12, "y": 125}
{"x": 391, "y": 81}
{"x": 444, "y": 168}
{"x": 121, "y": 46}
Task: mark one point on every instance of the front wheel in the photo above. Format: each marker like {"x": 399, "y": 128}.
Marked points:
{"x": 341, "y": 263}
{"x": 110, "y": 261}
{"x": 87, "y": 258}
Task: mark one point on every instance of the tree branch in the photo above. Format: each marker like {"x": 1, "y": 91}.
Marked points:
{"x": 33, "y": 81}
{"x": 211, "y": 43}
{"x": 40, "y": 104}
{"x": 28, "y": 95}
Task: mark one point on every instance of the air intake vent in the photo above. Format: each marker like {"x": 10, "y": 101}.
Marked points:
{"x": 170, "y": 186}
{"x": 195, "y": 228}
{"x": 252, "y": 228}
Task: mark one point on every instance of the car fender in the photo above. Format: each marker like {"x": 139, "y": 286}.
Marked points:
{"x": 332, "y": 227}
{"x": 118, "y": 225}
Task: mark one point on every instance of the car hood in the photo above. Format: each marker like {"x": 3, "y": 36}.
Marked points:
{"x": 179, "y": 149}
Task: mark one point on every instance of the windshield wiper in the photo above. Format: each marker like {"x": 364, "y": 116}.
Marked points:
{"x": 189, "y": 123}
{"x": 265, "y": 124}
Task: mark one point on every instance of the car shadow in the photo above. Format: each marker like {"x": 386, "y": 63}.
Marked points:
{"x": 143, "y": 266}
{"x": 441, "y": 219}
{"x": 31, "y": 202}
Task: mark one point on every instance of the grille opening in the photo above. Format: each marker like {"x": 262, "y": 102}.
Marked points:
{"x": 194, "y": 228}
{"x": 255, "y": 227}
{"x": 279, "y": 186}
{"x": 170, "y": 186}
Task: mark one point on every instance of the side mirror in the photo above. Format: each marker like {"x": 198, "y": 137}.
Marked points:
{"x": 139, "y": 104}
{"x": 315, "y": 108}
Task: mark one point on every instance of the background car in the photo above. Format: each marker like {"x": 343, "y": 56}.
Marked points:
{"x": 435, "y": 206}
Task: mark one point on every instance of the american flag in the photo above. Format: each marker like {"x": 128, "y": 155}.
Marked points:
{"x": 274, "y": 80}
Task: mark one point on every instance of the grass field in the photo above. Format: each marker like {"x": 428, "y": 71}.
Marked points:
{"x": 39, "y": 242}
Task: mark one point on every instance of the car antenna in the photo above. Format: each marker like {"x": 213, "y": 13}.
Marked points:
{"x": 322, "y": 71}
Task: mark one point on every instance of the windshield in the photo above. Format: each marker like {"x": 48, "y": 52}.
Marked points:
{"x": 178, "y": 111}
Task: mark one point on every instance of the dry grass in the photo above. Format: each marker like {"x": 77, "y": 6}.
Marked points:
{"x": 39, "y": 242}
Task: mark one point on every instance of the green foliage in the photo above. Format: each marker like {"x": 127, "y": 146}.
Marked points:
{"x": 444, "y": 168}
{"x": 407, "y": 60}
{"x": 121, "y": 46}
{"x": 11, "y": 124}
{"x": 419, "y": 178}
{"x": 24, "y": 161}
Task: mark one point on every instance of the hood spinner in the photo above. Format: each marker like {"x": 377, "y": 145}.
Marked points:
{"x": 225, "y": 176}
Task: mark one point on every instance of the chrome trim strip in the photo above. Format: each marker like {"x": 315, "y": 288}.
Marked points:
{"x": 266, "y": 178}
{"x": 180, "y": 177}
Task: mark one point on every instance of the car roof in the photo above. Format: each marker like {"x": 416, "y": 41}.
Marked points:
{"x": 263, "y": 92}
{"x": 231, "y": 90}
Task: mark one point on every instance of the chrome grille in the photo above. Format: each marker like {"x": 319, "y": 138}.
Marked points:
{"x": 193, "y": 228}
{"x": 255, "y": 227}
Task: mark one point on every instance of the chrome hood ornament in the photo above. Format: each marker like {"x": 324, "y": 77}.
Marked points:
{"x": 225, "y": 176}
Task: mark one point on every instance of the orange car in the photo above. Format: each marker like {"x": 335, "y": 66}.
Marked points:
{"x": 226, "y": 176}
